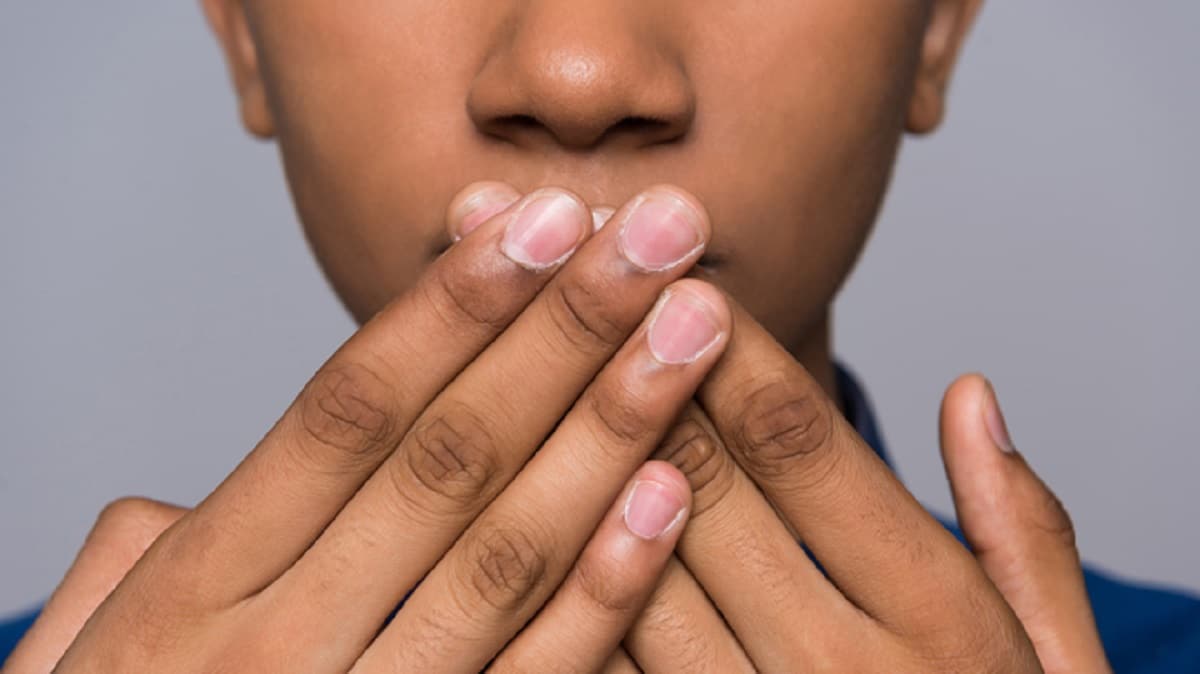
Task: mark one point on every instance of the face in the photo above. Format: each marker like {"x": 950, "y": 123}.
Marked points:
{"x": 782, "y": 117}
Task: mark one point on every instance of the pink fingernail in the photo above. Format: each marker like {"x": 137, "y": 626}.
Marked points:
{"x": 652, "y": 510}
{"x": 545, "y": 231}
{"x": 993, "y": 418}
{"x": 660, "y": 232}
{"x": 682, "y": 329}
{"x": 481, "y": 207}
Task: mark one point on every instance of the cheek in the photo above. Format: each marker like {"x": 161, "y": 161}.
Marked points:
{"x": 821, "y": 100}
{"x": 371, "y": 146}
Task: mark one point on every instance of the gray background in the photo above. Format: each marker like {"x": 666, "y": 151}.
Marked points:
{"x": 158, "y": 307}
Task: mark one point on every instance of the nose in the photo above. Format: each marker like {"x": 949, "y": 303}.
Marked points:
{"x": 579, "y": 74}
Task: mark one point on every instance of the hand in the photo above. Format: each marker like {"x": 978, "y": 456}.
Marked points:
{"x": 407, "y": 459}
{"x": 904, "y": 596}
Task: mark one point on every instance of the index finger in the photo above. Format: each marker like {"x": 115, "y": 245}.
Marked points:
{"x": 874, "y": 540}
{"x": 359, "y": 405}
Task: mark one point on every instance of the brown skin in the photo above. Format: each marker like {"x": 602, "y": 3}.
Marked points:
{"x": 779, "y": 124}
{"x": 382, "y": 114}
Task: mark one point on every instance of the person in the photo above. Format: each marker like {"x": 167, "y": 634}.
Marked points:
{"x": 592, "y": 421}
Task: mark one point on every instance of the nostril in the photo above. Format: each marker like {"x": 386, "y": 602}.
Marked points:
{"x": 505, "y": 126}
{"x": 648, "y": 129}
{"x": 644, "y": 126}
{"x": 520, "y": 122}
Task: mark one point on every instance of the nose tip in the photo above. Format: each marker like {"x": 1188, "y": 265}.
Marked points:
{"x": 556, "y": 83}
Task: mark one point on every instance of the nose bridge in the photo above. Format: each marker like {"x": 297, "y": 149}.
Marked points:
{"x": 575, "y": 72}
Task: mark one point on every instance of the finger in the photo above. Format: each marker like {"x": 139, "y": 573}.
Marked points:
{"x": 1019, "y": 531}
{"x": 583, "y": 623}
{"x": 479, "y": 201}
{"x": 469, "y": 442}
{"x": 781, "y": 607}
{"x": 355, "y": 410}
{"x": 681, "y": 631}
{"x": 621, "y": 663}
{"x": 123, "y": 532}
{"x": 513, "y": 556}
{"x": 870, "y": 535}
{"x": 476, "y": 204}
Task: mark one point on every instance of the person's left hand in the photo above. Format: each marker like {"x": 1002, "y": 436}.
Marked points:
{"x": 771, "y": 461}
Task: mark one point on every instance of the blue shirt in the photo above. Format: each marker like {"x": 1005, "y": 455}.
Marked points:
{"x": 1145, "y": 630}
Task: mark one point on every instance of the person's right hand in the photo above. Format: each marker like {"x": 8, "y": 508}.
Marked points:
{"x": 463, "y": 447}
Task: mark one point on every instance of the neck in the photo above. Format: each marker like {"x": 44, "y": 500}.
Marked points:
{"x": 814, "y": 352}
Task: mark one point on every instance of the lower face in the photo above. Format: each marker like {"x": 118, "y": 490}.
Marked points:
{"x": 782, "y": 117}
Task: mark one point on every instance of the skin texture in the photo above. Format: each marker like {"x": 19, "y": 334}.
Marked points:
{"x": 412, "y": 456}
{"x": 783, "y": 118}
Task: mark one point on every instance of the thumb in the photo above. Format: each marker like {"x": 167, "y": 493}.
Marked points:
{"x": 123, "y": 532}
{"x": 1018, "y": 529}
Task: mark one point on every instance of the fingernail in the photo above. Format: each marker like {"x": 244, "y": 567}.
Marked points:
{"x": 601, "y": 215}
{"x": 481, "y": 207}
{"x": 993, "y": 418}
{"x": 545, "y": 231}
{"x": 682, "y": 330}
{"x": 652, "y": 510}
{"x": 660, "y": 232}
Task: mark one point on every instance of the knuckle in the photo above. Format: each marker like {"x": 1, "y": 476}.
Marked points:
{"x": 981, "y": 643}
{"x": 124, "y": 511}
{"x": 782, "y": 422}
{"x": 975, "y": 631}
{"x": 468, "y": 295}
{"x": 620, "y": 414}
{"x": 584, "y": 316}
{"x": 130, "y": 525}
{"x": 442, "y": 628}
{"x": 349, "y": 408}
{"x": 700, "y": 457}
{"x": 601, "y": 583}
{"x": 453, "y": 456}
{"x": 506, "y": 567}
{"x": 1052, "y": 519}
{"x": 689, "y": 650}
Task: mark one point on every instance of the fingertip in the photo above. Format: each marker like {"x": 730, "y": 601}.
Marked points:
{"x": 975, "y": 469}
{"x": 698, "y": 213}
{"x": 962, "y": 413}
{"x": 477, "y": 203}
{"x": 989, "y": 480}
{"x": 689, "y": 324}
{"x": 970, "y": 382}
{"x": 657, "y": 502}
{"x": 965, "y": 391}
{"x": 666, "y": 473}
{"x": 993, "y": 420}
{"x": 711, "y": 297}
